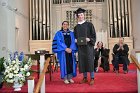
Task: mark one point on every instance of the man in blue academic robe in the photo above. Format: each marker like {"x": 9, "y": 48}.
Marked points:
{"x": 62, "y": 41}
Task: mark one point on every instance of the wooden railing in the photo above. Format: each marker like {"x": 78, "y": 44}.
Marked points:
{"x": 41, "y": 77}
{"x": 134, "y": 59}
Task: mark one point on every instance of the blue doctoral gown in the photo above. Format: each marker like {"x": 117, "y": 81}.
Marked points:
{"x": 59, "y": 47}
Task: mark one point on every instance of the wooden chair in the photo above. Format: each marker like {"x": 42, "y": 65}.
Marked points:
{"x": 120, "y": 62}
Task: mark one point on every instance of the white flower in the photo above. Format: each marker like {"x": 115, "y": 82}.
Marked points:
{"x": 26, "y": 67}
{"x": 10, "y": 75}
{"x": 7, "y": 67}
{"x": 16, "y": 71}
{"x": 9, "y": 60}
{"x": 22, "y": 78}
{"x": 6, "y": 71}
{"x": 17, "y": 61}
{"x": 6, "y": 76}
{"x": 10, "y": 69}
{"x": 14, "y": 68}
{"x": 13, "y": 62}
{"x": 10, "y": 80}
{"x": 17, "y": 68}
{"x": 28, "y": 74}
{"x": 22, "y": 69}
{"x": 20, "y": 75}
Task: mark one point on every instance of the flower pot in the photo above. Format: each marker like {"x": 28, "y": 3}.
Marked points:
{"x": 17, "y": 86}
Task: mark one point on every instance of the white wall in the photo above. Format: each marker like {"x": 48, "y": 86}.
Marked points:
{"x": 136, "y": 22}
{"x": 22, "y": 23}
{"x": 9, "y": 20}
{"x": 7, "y": 29}
{"x": 3, "y": 30}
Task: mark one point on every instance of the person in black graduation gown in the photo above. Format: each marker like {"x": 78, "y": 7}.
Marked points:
{"x": 101, "y": 57}
{"x": 85, "y": 52}
{"x": 120, "y": 51}
{"x": 65, "y": 47}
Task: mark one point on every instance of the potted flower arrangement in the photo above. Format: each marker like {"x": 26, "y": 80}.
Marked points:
{"x": 2, "y": 69}
{"x": 17, "y": 69}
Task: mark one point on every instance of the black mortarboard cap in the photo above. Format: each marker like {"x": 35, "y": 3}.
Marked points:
{"x": 79, "y": 10}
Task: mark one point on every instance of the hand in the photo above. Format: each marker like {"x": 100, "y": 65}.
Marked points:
{"x": 118, "y": 49}
{"x": 121, "y": 46}
{"x": 87, "y": 39}
{"x": 68, "y": 50}
{"x": 75, "y": 40}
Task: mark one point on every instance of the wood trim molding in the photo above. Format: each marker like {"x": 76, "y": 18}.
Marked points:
{"x": 135, "y": 61}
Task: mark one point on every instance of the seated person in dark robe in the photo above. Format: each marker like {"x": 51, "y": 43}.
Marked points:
{"x": 65, "y": 47}
{"x": 120, "y": 51}
{"x": 101, "y": 57}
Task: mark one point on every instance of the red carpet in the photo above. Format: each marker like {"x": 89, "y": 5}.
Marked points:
{"x": 105, "y": 82}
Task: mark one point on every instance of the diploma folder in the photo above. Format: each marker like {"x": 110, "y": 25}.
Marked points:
{"x": 81, "y": 41}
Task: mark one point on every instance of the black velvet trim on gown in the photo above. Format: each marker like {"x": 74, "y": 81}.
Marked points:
{"x": 69, "y": 60}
